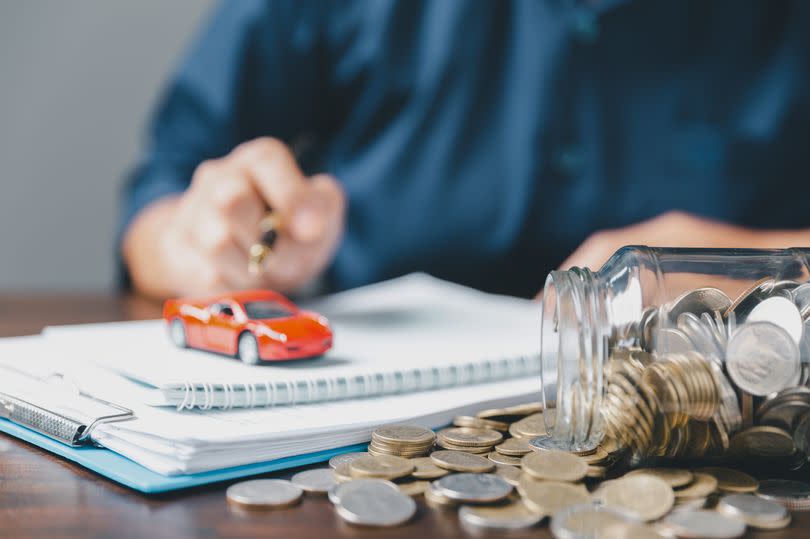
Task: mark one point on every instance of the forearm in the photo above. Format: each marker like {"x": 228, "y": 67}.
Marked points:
{"x": 142, "y": 248}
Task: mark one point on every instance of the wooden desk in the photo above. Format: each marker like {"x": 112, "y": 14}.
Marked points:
{"x": 45, "y": 496}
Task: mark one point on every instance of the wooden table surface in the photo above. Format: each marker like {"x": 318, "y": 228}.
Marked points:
{"x": 45, "y": 496}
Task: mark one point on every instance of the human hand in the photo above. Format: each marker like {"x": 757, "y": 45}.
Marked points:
{"x": 201, "y": 239}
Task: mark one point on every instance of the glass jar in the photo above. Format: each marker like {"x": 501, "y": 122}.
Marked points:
{"x": 680, "y": 352}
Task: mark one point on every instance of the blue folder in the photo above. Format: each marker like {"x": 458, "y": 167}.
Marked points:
{"x": 131, "y": 474}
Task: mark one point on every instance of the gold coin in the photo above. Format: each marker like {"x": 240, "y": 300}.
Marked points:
{"x": 599, "y": 456}
{"x": 437, "y": 500}
{"x": 469, "y": 437}
{"x": 426, "y": 469}
{"x": 675, "y": 477}
{"x": 479, "y": 423}
{"x": 404, "y": 434}
{"x": 460, "y": 461}
{"x": 504, "y": 516}
{"x": 762, "y": 441}
{"x": 466, "y": 448}
{"x": 514, "y": 447}
{"x": 702, "y": 485}
{"x": 377, "y": 451}
{"x": 499, "y": 458}
{"x": 549, "y": 497}
{"x": 554, "y": 466}
{"x": 342, "y": 473}
{"x": 645, "y": 496}
{"x": 380, "y": 467}
{"x": 413, "y": 488}
{"x": 729, "y": 480}
{"x": 529, "y": 427}
{"x": 510, "y": 474}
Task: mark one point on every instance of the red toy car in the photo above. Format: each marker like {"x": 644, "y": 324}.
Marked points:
{"x": 255, "y": 326}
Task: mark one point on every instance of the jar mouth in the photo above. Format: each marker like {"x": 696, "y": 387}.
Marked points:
{"x": 573, "y": 349}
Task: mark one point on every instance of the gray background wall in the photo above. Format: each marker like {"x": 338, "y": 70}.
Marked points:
{"x": 77, "y": 80}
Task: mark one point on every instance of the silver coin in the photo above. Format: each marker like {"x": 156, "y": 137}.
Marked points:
{"x": 801, "y": 297}
{"x": 748, "y": 506}
{"x": 592, "y": 521}
{"x": 547, "y": 442}
{"x": 762, "y": 358}
{"x": 672, "y": 341}
{"x": 647, "y": 326}
{"x": 700, "y": 333}
{"x": 751, "y": 297}
{"x": 264, "y": 493}
{"x": 317, "y": 481}
{"x": 699, "y": 301}
{"x": 703, "y": 524}
{"x": 780, "y": 312}
{"x": 339, "y": 489}
{"x": 337, "y": 460}
{"x": 470, "y": 487}
{"x": 374, "y": 504}
{"x": 511, "y": 517}
{"x": 783, "y": 414}
{"x": 779, "y": 489}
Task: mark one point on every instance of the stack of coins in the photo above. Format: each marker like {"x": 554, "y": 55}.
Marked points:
{"x": 579, "y": 494}
{"x": 407, "y": 441}
{"x": 469, "y": 439}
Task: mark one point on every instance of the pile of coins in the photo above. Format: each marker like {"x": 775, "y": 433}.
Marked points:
{"x": 401, "y": 441}
{"x": 708, "y": 376}
{"x": 526, "y": 480}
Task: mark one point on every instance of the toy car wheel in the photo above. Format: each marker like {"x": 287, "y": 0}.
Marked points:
{"x": 178, "y": 333}
{"x": 249, "y": 349}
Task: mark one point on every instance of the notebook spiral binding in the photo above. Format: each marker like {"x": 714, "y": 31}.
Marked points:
{"x": 224, "y": 396}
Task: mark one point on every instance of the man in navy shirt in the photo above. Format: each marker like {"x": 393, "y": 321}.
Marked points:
{"x": 481, "y": 141}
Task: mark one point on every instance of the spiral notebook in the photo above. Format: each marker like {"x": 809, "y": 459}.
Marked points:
{"x": 415, "y": 333}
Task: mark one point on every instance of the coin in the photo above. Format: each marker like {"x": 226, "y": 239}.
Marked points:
{"x": 672, "y": 341}
{"x": 380, "y": 467}
{"x": 746, "y": 301}
{"x": 801, "y": 435}
{"x": 675, "y": 477}
{"x": 499, "y": 458}
{"x": 754, "y": 511}
{"x": 342, "y": 472}
{"x": 801, "y": 296}
{"x": 554, "y": 466}
{"x": 317, "y": 481}
{"x": 511, "y": 413}
{"x": 437, "y": 500}
{"x": 598, "y": 457}
{"x": 529, "y": 427}
{"x": 794, "y": 495}
{"x": 513, "y": 447}
{"x": 729, "y": 480}
{"x": 459, "y": 461}
{"x": 345, "y": 457}
{"x": 702, "y": 485}
{"x": 513, "y": 515}
{"x": 472, "y": 487}
{"x": 596, "y": 472}
{"x": 548, "y": 443}
{"x": 762, "y": 441}
{"x": 511, "y": 474}
{"x": 780, "y": 312}
{"x": 264, "y": 493}
{"x": 646, "y": 497}
{"x": 703, "y": 525}
{"x": 689, "y": 504}
{"x": 596, "y": 522}
{"x": 404, "y": 434}
{"x": 549, "y": 497}
{"x": 338, "y": 490}
{"x": 762, "y": 358}
{"x": 479, "y": 423}
{"x": 699, "y": 301}
{"x": 425, "y": 468}
{"x": 465, "y": 448}
{"x": 371, "y": 504}
{"x": 413, "y": 488}
{"x": 469, "y": 437}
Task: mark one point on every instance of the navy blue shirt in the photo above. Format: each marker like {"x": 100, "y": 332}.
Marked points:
{"x": 482, "y": 141}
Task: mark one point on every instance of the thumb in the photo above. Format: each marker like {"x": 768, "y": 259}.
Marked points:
{"x": 319, "y": 206}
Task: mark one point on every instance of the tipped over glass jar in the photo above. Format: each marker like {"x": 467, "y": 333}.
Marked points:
{"x": 674, "y": 352}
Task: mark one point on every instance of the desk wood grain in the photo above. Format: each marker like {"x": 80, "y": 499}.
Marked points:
{"x": 45, "y": 496}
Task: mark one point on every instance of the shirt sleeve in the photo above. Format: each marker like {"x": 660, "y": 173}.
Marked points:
{"x": 252, "y": 71}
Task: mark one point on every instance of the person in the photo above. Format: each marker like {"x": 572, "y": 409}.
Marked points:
{"x": 484, "y": 142}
